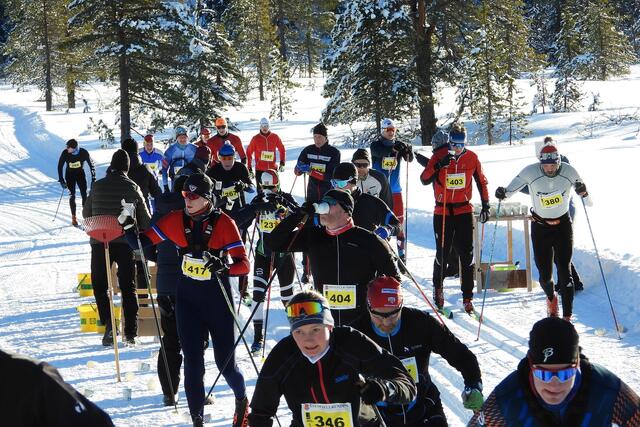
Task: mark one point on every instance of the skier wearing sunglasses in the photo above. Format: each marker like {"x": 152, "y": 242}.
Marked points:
{"x": 556, "y": 385}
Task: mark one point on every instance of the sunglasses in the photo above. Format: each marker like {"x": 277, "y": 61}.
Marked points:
{"x": 221, "y": 127}
{"x": 563, "y": 375}
{"x": 189, "y": 195}
{"x": 341, "y": 183}
{"x": 226, "y": 157}
{"x": 361, "y": 165}
{"x": 456, "y": 144}
{"x": 390, "y": 129}
{"x": 268, "y": 187}
{"x": 307, "y": 308}
{"x": 385, "y": 315}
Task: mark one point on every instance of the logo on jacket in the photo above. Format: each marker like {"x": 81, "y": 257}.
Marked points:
{"x": 547, "y": 353}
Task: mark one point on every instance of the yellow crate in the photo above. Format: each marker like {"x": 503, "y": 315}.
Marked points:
{"x": 85, "y": 288}
{"x": 90, "y": 320}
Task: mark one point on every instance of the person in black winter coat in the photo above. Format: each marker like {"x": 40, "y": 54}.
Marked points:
{"x": 231, "y": 180}
{"x": 412, "y": 335}
{"x": 106, "y": 199}
{"x": 329, "y": 376}
{"x": 75, "y": 158}
{"x": 140, "y": 173}
{"x": 343, "y": 257}
{"x": 371, "y": 181}
{"x": 33, "y": 394}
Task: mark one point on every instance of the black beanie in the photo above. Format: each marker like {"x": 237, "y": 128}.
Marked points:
{"x": 361, "y": 154}
{"x": 120, "y": 161}
{"x": 553, "y": 340}
{"x": 72, "y": 143}
{"x": 346, "y": 171}
{"x": 199, "y": 184}
{"x": 129, "y": 145}
{"x": 320, "y": 129}
{"x": 343, "y": 198}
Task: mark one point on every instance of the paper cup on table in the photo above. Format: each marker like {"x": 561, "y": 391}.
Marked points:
{"x": 126, "y": 393}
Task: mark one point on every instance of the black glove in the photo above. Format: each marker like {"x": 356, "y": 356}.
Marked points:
{"x": 501, "y": 193}
{"x": 581, "y": 188}
{"x": 422, "y": 159}
{"x": 263, "y": 204}
{"x": 444, "y": 162}
{"x": 308, "y": 208}
{"x": 213, "y": 263}
{"x": 166, "y": 188}
{"x": 93, "y": 179}
{"x": 484, "y": 213}
{"x": 240, "y": 186}
{"x": 63, "y": 185}
{"x": 372, "y": 392}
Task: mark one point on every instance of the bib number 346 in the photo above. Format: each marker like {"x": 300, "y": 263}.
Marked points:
{"x": 327, "y": 415}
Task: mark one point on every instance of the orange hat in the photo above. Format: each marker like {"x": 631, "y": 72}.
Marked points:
{"x": 220, "y": 121}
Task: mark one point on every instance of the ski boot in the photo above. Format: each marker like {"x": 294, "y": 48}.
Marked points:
{"x": 198, "y": 421}
{"x": 169, "y": 400}
{"x": 74, "y": 221}
{"x": 304, "y": 279}
{"x": 258, "y": 338}
{"x": 552, "y": 306}
{"x": 467, "y": 303}
{"x": 567, "y": 318}
{"x": 241, "y": 413}
{"x": 107, "y": 338}
{"x": 438, "y": 297}
{"x": 130, "y": 340}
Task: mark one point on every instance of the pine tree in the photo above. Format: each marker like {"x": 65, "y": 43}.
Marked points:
{"x": 371, "y": 72}
{"x": 315, "y": 24}
{"x": 280, "y": 86}
{"x": 567, "y": 93}
{"x": 629, "y": 11}
{"x": 542, "y": 92}
{"x": 544, "y": 21}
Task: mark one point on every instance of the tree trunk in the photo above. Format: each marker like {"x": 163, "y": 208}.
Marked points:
{"x": 48, "y": 86}
{"x": 282, "y": 36}
{"x": 309, "y": 54}
{"x": 422, "y": 43}
{"x": 123, "y": 71}
{"x": 71, "y": 90}
{"x": 260, "y": 77}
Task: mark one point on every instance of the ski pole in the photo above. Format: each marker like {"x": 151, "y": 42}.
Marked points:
{"x": 266, "y": 317}
{"x": 131, "y": 127}
{"x": 444, "y": 221}
{"x": 406, "y": 217}
{"x": 486, "y": 280}
{"x": 604, "y": 280}
{"x": 58, "y": 208}
{"x": 255, "y": 309}
{"x": 294, "y": 184}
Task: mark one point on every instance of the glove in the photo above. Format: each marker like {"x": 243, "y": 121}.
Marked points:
{"x": 372, "y": 392}
{"x": 213, "y": 263}
{"x": 247, "y": 301}
{"x": 382, "y": 232}
{"x": 308, "y": 208}
{"x": 303, "y": 167}
{"x": 484, "y": 213}
{"x": 422, "y": 159}
{"x": 63, "y": 185}
{"x": 240, "y": 186}
{"x": 281, "y": 168}
{"x": 472, "y": 397}
{"x": 127, "y": 215}
{"x": 251, "y": 174}
{"x": 501, "y": 193}
{"x": 262, "y": 205}
{"x": 166, "y": 188}
{"x": 444, "y": 162}
{"x": 581, "y": 189}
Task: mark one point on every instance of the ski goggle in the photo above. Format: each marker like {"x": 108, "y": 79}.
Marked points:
{"x": 221, "y": 127}
{"x": 361, "y": 165}
{"x": 563, "y": 375}
{"x": 341, "y": 183}
{"x": 307, "y": 308}
{"x": 189, "y": 195}
{"x": 552, "y": 157}
{"x": 385, "y": 315}
{"x": 456, "y": 144}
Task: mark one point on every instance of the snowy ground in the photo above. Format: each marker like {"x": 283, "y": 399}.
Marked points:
{"x": 39, "y": 257}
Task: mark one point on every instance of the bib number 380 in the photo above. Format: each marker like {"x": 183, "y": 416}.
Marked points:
{"x": 327, "y": 415}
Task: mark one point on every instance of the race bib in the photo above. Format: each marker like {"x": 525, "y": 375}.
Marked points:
{"x": 318, "y": 167}
{"x": 268, "y": 156}
{"x": 389, "y": 163}
{"x": 152, "y": 166}
{"x": 75, "y": 165}
{"x": 327, "y": 415}
{"x": 551, "y": 200}
{"x": 340, "y": 297}
{"x": 411, "y": 366}
{"x": 456, "y": 181}
{"x": 194, "y": 268}
{"x": 268, "y": 224}
{"x": 230, "y": 193}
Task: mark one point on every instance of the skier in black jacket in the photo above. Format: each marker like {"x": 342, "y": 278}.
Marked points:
{"x": 74, "y": 158}
{"x": 33, "y": 394}
{"x": 411, "y": 335}
{"x": 329, "y": 376}
{"x": 343, "y": 257}
{"x": 231, "y": 179}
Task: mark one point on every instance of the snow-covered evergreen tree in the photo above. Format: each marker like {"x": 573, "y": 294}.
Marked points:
{"x": 542, "y": 96}
{"x": 567, "y": 93}
{"x": 370, "y": 70}
{"x": 280, "y": 87}
{"x": 629, "y": 11}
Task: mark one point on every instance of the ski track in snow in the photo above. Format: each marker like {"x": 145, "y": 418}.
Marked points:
{"x": 39, "y": 260}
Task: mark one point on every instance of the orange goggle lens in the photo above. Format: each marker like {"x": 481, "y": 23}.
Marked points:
{"x": 307, "y": 308}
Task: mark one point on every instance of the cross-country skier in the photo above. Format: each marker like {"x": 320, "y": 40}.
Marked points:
{"x": 556, "y": 385}
{"x": 262, "y": 148}
{"x": 452, "y": 171}
{"x": 206, "y": 238}
{"x": 318, "y": 160}
{"x": 550, "y": 183}
{"x": 412, "y": 335}
{"x": 223, "y": 136}
{"x": 75, "y": 157}
{"x": 231, "y": 179}
{"x": 177, "y": 155}
{"x": 329, "y": 376}
{"x": 343, "y": 257}
{"x": 371, "y": 181}
{"x": 152, "y": 157}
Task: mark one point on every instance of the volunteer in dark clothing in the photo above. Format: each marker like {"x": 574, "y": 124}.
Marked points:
{"x": 329, "y": 375}
{"x": 318, "y": 160}
{"x": 371, "y": 181}
{"x": 106, "y": 199}
{"x": 206, "y": 238}
{"x": 231, "y": 179}
{"x": 369, "y": 212}
{"x": 33, "y": 394}
{"x": 343, "y": 257}
{"x": 75, "y": 157}
{"x": 412, "y": 335}
{"x": 556, "y": 385}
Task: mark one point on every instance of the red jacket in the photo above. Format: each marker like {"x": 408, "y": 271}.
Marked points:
{"x": 216, "y": 142}
{"x": 225, "y": 238}
{"x": 458, "y": 174}
{"x": 264, "y": 147}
